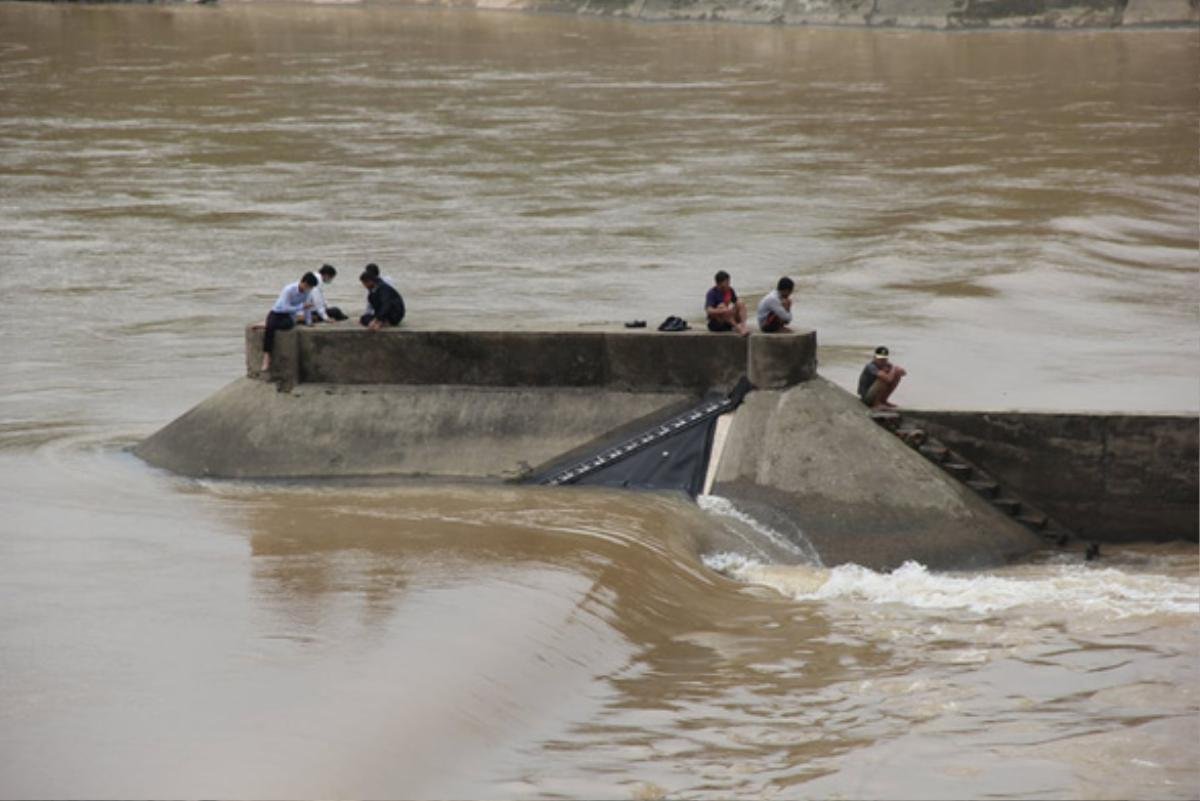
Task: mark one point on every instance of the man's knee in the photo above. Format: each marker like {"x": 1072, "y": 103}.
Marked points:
{"x": 877, "y": 391}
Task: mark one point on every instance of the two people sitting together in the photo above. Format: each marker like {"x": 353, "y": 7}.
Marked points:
{"x": 726, "y": 313}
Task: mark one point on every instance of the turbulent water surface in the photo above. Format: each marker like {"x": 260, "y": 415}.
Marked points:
{"x": 1014, "y": 213}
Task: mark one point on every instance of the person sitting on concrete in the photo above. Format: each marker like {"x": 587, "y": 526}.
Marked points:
{"x": 373, "y": 269}
{"x": 879, "y": 380}
{"x": 295, "y": 301}
{"x": 725, "y": 312}
{"x": 775, "y": 309}
{"x": 384, "y": 304}
{"x": 322, "y": 312}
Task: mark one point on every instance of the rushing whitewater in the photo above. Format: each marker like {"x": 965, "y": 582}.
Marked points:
{"x": 1022, "y": 199}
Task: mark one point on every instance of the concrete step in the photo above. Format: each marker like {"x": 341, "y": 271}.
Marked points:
{"x": 1033, "y": 520}
{"x": 887, "y": 419}
{"x": 935, "y": 453}
{"x": 959, "y": 470}
{"x": 1010, "y": 506}
{"x": 978, "y": 480}
{"x": 984, "y": 486}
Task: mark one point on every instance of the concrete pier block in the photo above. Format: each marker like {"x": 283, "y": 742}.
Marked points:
{"x": 781, "y": 360}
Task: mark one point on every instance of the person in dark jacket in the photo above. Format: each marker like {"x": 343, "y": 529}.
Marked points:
{"x": 385, "y": 304}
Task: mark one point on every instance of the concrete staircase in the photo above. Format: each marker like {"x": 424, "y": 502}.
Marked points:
{"x": 980, "y": 481}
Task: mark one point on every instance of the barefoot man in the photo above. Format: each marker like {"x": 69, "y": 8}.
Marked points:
{"x": 879, "y": 380}
{"x": 725, "y": 312}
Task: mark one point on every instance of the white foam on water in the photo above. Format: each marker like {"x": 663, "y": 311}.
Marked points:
{"x": 802, "y": 550}
{"x": 1079, "y": 587}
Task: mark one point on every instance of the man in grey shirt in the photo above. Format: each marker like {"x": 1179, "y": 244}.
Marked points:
{"x": 775, "y": 309}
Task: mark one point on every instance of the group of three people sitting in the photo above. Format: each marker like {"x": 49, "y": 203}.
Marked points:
{"x": 878, "y": 379}
{"x": 304, "y": 301}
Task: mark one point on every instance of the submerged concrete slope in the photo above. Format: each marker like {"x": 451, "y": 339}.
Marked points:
{"x": 249, "y": 429}
{"x": 808, "y": 461}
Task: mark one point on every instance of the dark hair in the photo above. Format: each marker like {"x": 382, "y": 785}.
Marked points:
{"x": 367, "y": 276}
{"x": 720, "y": 276}
{"x": 372, "y": 270}
{"x": 881, "y": 350}
{"x": 310, "y": 279}
{"x": 785, "y": 283}
{"x": 328, "y": 269}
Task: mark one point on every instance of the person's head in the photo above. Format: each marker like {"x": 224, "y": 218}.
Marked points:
{"x": 328, "y": 272}
{"x": 308, "y": 281}
{"x": 881, "y": 354}
{"x": 721, "y": 278}
{"x": 371, "y": 269}
{"x": 785, "y": 287}
{"x": 368, "y": 280}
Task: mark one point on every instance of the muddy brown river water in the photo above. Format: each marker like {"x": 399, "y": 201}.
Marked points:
{"x": 1015, "y": 213}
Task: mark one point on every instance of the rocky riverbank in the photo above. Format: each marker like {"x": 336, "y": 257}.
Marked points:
{"x": 935, "y": 14}
{"x": 927, "y": 14}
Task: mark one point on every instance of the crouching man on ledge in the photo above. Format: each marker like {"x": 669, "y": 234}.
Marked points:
{"x": 879, "y": 380}
{"x": 385, "y": 306}
{"x": 295, "y": 300}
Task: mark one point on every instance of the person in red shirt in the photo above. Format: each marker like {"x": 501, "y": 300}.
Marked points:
{"x": 725, "y": 312}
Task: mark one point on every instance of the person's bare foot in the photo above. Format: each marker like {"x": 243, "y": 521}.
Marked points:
{"x": 742, "y": 329}
{"x": 266, "y": 363}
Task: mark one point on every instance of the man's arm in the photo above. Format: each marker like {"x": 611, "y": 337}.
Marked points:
{"x": 318, "y": 303}
{"x": 779, "y": 308}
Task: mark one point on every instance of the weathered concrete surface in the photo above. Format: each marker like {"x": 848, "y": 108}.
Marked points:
{"x": 482, "y": 404}
{"x": 1110, "y": 478}
{"x": 249, "y": 429}
{"x": 809, "y": 460}
{"x": 938, "y": 14}
{"x": 636, "y": 360}
{"x": 780, "y": 360}
{"x": 1161, "y": 12}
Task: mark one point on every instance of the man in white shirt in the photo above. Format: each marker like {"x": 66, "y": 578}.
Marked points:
{"x": 294, "y": 301}
{"x": 321, "y": 311}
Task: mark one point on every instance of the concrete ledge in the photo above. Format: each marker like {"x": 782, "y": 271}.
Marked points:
{"x": 639, "y": 360}
{"x": 1108, "y": 477}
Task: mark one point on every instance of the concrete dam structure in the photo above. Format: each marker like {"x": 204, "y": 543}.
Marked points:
{"x": 799, "y": 453}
